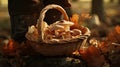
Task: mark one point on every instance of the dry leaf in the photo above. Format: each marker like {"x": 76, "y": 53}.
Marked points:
{"x": 117, "y": 28}
{"x": 114, "y": 35}
{"x": 83, "y": 17}
{"x": 93, "y": 56}
{"x": 75, "y": 19}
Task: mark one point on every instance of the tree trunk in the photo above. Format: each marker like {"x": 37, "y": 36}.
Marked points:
{"x": 0, "y": 2}
{"x": 74, "y": 0}
{"x": 118, "y": 2}
{"x": 98, "y": 9}
{"x": 111, "y": 1}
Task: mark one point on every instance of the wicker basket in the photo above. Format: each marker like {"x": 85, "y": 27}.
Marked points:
{"x": 65, "y": 47}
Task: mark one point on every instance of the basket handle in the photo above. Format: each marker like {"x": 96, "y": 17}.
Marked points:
{"x": 42, "y": 16}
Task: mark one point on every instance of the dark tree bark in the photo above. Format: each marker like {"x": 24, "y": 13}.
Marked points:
{"x": 98, "y": 9}
{"x": 74, "y": 0}
{"x": 119, "y": 2}
{"x": 0, "y": 3}
{"x": 111, "y": 1}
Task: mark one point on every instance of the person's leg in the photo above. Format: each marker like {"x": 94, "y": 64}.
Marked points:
{"x": 23, "y": 13}
{"x": 19, "y": 26}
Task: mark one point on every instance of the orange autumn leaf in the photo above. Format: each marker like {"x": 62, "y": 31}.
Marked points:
{"x": 10, "y": 45}
{"x": 114, "y": 35}
{"x": 93, "y": 56}
{"x": 75, "y": 19}
{"x": 117, "y": 28}
{"x": 84, "y": 16}
{"x": 106, "y": 47}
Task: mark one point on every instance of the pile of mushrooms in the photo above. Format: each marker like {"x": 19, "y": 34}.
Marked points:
{"x": 60, "y": 30}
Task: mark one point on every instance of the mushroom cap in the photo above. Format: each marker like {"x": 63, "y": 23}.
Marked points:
{"x": 31, "y": 29}
{"x": 75, "y": 32}
{"x": 56, "y": 27}
{"x": 64, "y": 23}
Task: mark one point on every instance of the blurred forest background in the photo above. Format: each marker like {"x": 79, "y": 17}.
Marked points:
{"x": 4, "y": 20}
{"x": 108, "y": 12}
{"x": 105, "y": 19}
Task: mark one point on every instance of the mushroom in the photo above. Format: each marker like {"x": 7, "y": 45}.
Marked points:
{"x": 66, "y": 35}
{"x": 49, "y": 37}
{"x": 31, "y": 29}
{"x": 32, "y": 33}
{"x": 59, "y": 30}
{"x": 76, "y": 33}
{"x": 56, "y": 29}
{"x": 65, "y": 23}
